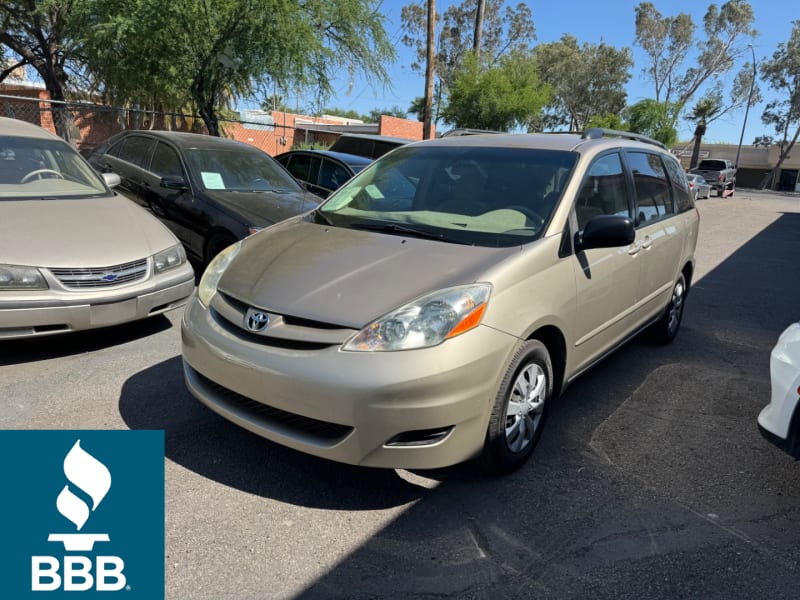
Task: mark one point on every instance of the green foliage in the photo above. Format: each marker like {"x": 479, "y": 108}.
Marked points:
{"x": 344, "y": 113}
{"x": 193, "y": 51}
{"x": 587, "y": 80}
{"x": 782, "y": 74}
{"x": 653, "y": 119}
{"x": 608, "y": 121}
{"x": 505, "y": 30}
{"x": 497, "y": 98}
{"x": 667, "y": 42}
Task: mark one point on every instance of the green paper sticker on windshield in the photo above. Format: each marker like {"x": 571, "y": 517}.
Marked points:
{"x": 212, "y": 181}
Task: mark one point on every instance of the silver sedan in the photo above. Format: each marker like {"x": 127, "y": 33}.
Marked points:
{"x": 73, "y": 254}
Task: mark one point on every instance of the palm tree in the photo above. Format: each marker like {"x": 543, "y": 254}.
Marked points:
{"x": 705, "y": 111}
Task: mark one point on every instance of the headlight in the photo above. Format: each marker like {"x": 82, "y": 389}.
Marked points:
{"x": 169, "y": 258}
{"x": 425, "y": 322}
{"x": 213, "y": 273}
{"x": 21, "y": 278}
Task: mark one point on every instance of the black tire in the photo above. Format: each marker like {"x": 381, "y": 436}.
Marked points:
{"x": 666, "y": 328}
{"x": 511, "y": 438}
{"x": 216, "y": 244}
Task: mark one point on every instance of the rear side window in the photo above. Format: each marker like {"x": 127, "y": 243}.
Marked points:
{"x": 333, "y": 175}
{"x": 712, "y": 165}
{"x": 166, "y": 162}
{"x": 653, "y": 196}
{"x": 136, "y": 150}
{"x": 604, "y": 191}
{"x": 679, "y": 185}
{"x": 305, "y": 167}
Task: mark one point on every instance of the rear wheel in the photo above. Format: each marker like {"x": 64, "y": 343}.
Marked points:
{"x": 666, "y": 328}
{"x": 520, "y": 409}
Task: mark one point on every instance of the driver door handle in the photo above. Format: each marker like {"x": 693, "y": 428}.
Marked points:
{"x": 647, "y": 242}
{"x": 635, "y": 248}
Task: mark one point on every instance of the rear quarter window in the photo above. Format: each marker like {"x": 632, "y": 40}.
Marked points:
{"x": 680, "y": 187}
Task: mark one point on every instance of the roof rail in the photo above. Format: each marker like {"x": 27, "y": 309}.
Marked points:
{"x": 595, "y": 133}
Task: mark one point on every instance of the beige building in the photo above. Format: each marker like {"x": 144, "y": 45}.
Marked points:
{"x": 754, "y": 163}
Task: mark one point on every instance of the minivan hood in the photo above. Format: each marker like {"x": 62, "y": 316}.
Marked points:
{"x": 92, "y": 232}
{"x": 344, "y": 276}
{"x": 264, "y": 208}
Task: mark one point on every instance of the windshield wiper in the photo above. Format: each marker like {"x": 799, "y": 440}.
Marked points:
{"x": 403, "y": 230}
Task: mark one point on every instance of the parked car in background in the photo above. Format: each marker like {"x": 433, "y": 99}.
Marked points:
{"x": 209, "y": 191}
{"x": 73, "y": 254}
{"x": 779, "y": 421}
{"x": 431, "y": 310}
{"x": 364, "y": 144}
{"x": 719, "y": 173}
{"x": 322, "y": 171}
{"x": 698, "y": 186}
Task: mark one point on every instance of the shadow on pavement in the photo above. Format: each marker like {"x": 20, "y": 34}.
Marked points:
{"x": 54, "y": 346}
{"x": 198, "y": 439}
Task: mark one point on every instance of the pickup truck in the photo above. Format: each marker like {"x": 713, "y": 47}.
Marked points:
{"x": 719, "y": 173}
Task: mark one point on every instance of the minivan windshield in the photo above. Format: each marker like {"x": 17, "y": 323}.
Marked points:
{"x": 45, "y": 168}
{"x": 484, "y": 196}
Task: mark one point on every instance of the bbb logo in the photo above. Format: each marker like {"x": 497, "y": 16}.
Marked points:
{"x": 92, "y": 477}
{"x": 83, "y": 514}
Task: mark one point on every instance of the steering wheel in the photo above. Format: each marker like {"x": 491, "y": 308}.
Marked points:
{"x": 528, "y": 212}
{"x": 38, "y": 173}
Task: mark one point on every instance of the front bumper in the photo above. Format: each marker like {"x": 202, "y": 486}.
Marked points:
{"x": 52, "y": 311}
{"x": 779, "y": 421}
{"x": 424, "y": 408}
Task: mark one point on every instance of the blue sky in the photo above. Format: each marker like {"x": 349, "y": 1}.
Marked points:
{"x": 610, "y": 21}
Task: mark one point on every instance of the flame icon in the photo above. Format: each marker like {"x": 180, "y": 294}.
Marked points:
{"x": 92, "y": 477}
{"x": 87, "y": 474}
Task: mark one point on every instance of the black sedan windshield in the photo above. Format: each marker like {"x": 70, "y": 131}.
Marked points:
{"x": 238, "y": 170}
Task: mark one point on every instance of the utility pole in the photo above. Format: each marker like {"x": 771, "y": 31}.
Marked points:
{"x": 476, "y": 39}
{"x": 427, "y": 116}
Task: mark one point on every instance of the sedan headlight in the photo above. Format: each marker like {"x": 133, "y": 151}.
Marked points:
{"x": 425, "y": 322}
{"x": 169, "y": 258}
{"x": 21, "y": 278}
{"x": 213, "y": 273}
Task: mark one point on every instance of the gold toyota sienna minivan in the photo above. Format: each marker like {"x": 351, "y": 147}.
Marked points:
{"x": 433, "y": 307}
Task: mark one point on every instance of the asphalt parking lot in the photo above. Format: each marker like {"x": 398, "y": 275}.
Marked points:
{"x": 651, "y": 479}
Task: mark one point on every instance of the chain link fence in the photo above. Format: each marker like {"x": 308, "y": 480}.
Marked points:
{"x": 86, "y": 125}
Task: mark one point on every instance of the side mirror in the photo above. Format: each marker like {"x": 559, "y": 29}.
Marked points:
{"x": 605, "y": 231}
{"x": 174, "y": 183}
{"x": 112, "y": 179}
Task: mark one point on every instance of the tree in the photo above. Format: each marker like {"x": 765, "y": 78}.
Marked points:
{"x": 782, "y": 74}
{"x": 211, "y": 53}
{"x": 376, "y": 113}
{"x": 653, "y": 119}
{"x": 667, "y": 42}
{"x": 38, "y": 32}
{"x": 503, "y": 30}
{"x": 586, "y": 80}
{"x": 497, "y": 98}
{"x": 712, "y": 106}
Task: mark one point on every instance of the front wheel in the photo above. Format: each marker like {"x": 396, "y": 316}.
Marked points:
{"x": 519, "y": 410}
{"x": 666, "y": 328}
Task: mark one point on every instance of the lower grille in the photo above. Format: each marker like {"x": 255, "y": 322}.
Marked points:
{"x": 101, "y": 277}
{"x": 326, "y": 432}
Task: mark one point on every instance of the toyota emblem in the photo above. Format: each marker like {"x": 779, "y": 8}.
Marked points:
{"x": 256, "y": 320}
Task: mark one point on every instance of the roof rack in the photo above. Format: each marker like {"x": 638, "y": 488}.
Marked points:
{"x": 595, "y": 133}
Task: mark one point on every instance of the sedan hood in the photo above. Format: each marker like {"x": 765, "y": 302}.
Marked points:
{"x": 347, "y": 277}
{"x": 264, "y": 208}
{"x": 96, "y": 232}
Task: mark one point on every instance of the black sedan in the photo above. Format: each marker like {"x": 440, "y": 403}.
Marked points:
{"x": 209, "y": 191}
{"x": 322, "y": 171}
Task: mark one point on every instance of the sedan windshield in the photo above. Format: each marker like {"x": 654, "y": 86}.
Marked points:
{"x": 45, "y": 168}
{"x": 494, "y": 196}
{"x": 238, "y": 170}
